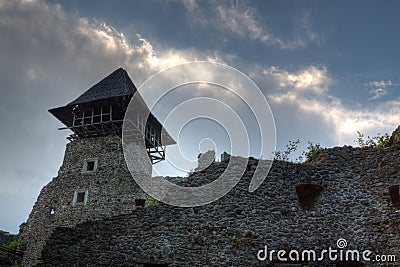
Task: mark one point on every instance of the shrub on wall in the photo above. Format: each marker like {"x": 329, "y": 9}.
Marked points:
{"x": 378, "y": 141}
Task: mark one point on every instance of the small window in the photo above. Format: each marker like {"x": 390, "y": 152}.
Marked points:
{"x": 80, "y": 197}
{"x": 89, "y": 165}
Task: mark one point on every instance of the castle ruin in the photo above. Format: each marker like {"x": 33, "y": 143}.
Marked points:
{"x": 94, "y": 182}
{"x": 94, "y": 214}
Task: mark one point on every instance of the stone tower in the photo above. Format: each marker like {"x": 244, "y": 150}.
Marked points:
{"x": 94, "y": 182}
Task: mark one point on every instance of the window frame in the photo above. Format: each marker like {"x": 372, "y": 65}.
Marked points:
{"x": 85, "y": 165}
{"x": 85, "y": 200}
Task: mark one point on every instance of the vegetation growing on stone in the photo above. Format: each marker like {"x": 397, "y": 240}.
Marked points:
{"x": 12, "y": 247}
{"x": 292, "y": 147}
{"x": 14, "y": 244}
{"x": 378, "y": 141}
{"x": 151, "y": 201}
{"x": 285, "y": 154}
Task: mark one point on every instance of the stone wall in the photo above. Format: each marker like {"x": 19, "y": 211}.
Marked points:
{"x": 355, "y": 205}
{"x": 96, "y": 168}
{"x": 6, "y": 238}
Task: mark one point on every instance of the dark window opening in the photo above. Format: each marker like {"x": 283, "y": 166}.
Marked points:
{"x": 395, "y": 196}
{"x": 90, "y": 166}
{"x": 139, "y": 202}
{"x": 308, "y": 194}
{"x": 80, "y": 197}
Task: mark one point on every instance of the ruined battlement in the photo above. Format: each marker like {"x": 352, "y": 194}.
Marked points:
{"x": 94, "y": 214}
{"x": 341, "y": 193}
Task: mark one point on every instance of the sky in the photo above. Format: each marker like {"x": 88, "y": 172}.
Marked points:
{"x": 327, "y": 68}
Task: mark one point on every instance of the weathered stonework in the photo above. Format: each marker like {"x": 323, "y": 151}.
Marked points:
{"x": 106, "y": 186}
{"x": 355, "y": 205}
{"x": 6, "y": 238}
{"x": 6, "y": 259}
{"x": 395, "y": 137}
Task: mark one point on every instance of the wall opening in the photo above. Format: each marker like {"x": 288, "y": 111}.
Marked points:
{"x": 139, "y": 202}
{"x": 394, "y": 191}
{"x": 80, "y": 197}
{"x": 308, "y": 194}
{"x": 90, "y": 165}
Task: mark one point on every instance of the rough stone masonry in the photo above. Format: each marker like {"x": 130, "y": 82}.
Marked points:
{"x": 342, "y": 192}
{"x": 92, "y": 183}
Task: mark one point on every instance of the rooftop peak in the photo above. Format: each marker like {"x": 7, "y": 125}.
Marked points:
{"x": 116, "y": 84}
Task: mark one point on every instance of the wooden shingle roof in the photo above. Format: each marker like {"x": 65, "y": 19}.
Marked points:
{"x": 116, "y": 84}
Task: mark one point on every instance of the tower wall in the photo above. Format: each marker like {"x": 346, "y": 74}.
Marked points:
{"x": 93, "y": 183}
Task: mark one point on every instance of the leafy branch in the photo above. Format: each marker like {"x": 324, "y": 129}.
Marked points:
{"x": 378, "y": 141}
{"x": 292, "y": 146}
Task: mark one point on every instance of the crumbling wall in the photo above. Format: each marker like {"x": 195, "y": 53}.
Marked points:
{"x": 354, "y": 204}
{"x": 106, "y": 185}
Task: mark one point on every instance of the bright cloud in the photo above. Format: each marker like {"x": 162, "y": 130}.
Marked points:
{"x": 140, "y": 57}
{"x": 379, "y": 88}
{"x": 377, "y": 93}
{"x": 244, "y": 22}
{"x": 382, "y": 83}
{"x": 51, "y": 57}
{"x": 313, "y": 79}
{"x": 190, "y": 5}
{"x": 307, "y": 90}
